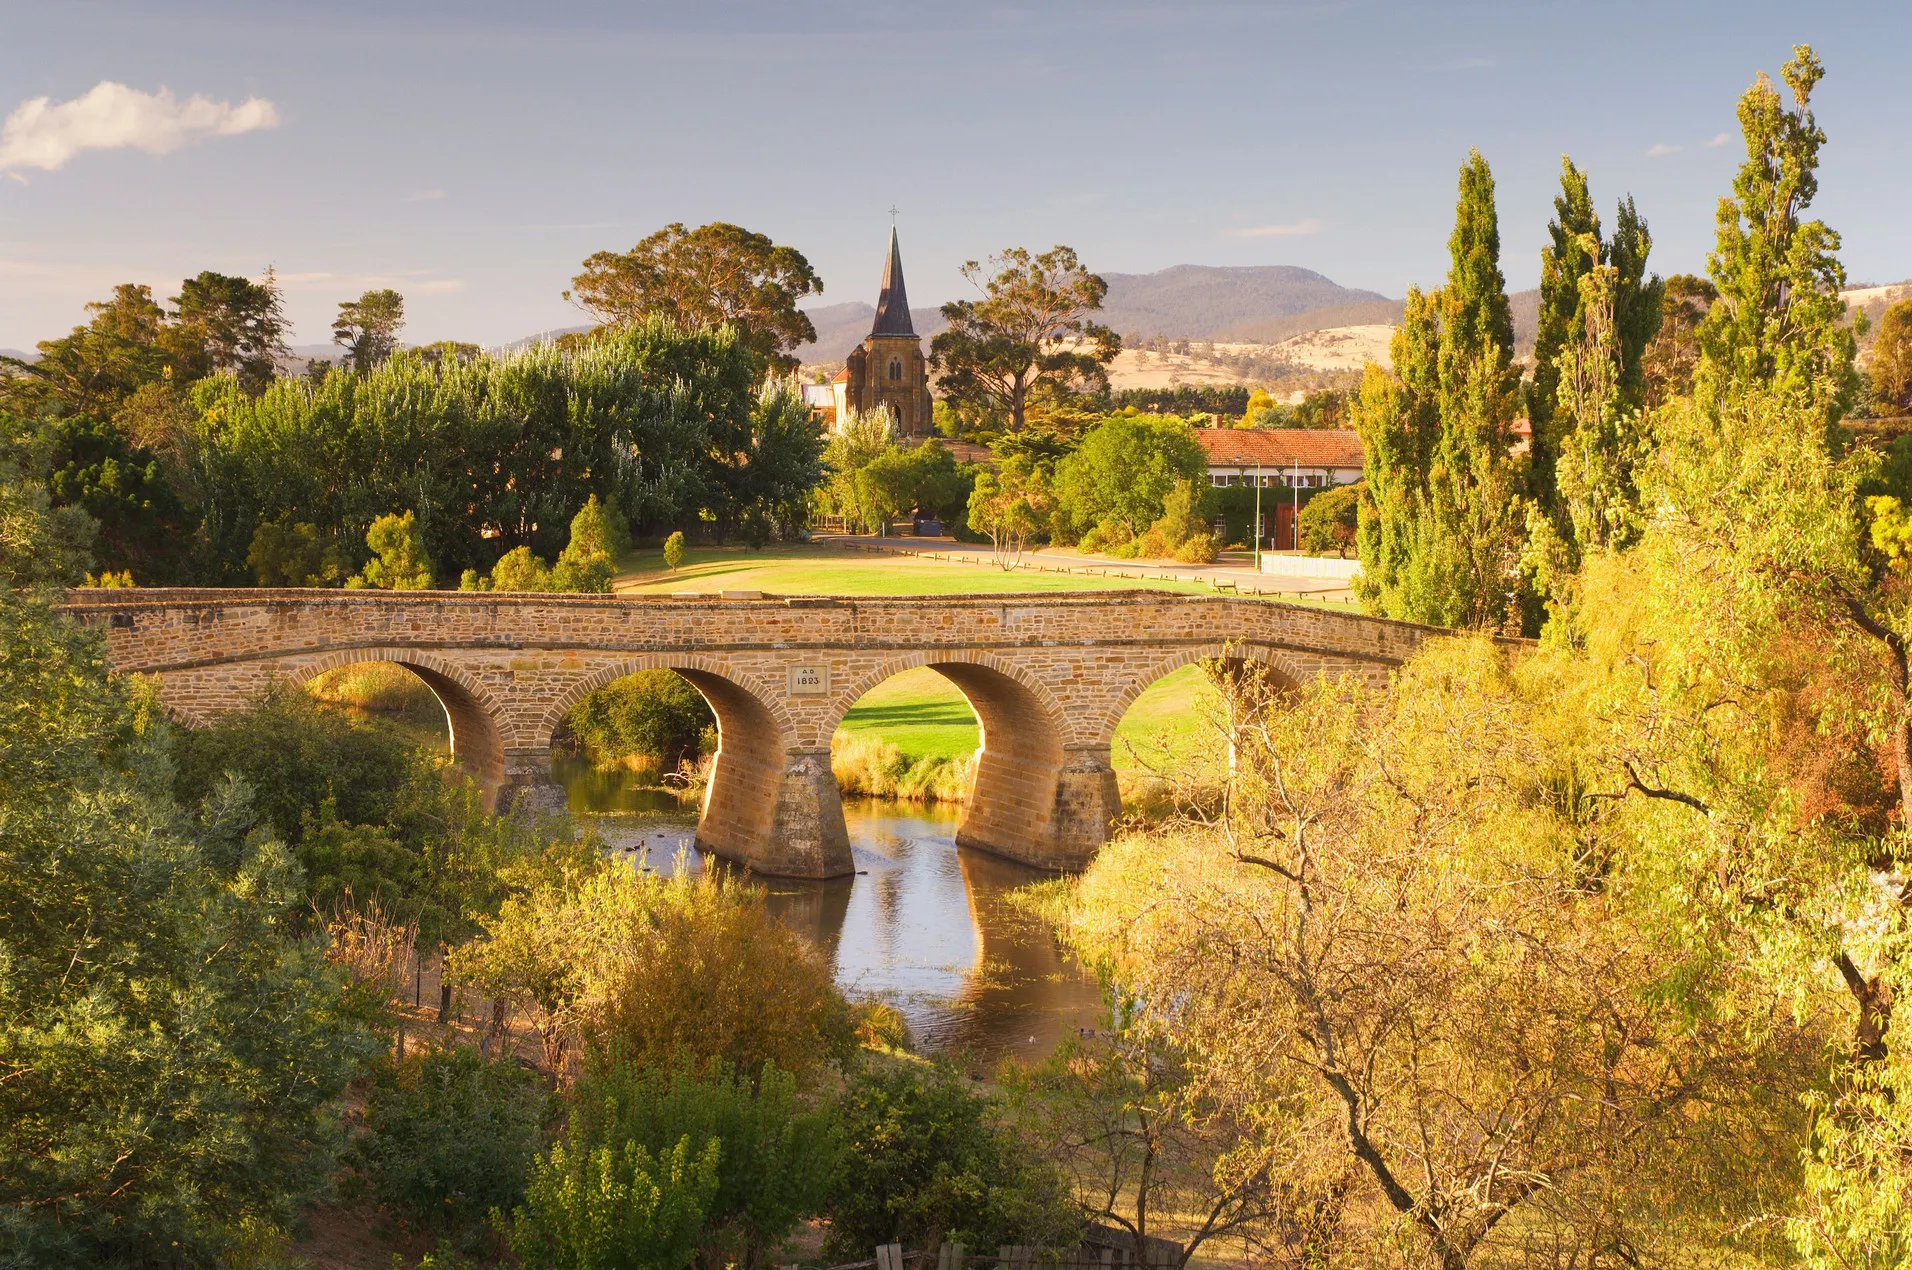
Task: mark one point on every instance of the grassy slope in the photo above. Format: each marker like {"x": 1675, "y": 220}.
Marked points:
{"x": 807, "y": 570}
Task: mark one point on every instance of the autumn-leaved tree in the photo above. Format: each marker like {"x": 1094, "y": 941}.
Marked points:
{"x": 1031, "y": 330}
{"x": 705, "y": 277}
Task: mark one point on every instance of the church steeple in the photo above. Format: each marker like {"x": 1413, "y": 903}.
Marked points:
{"x": 893, "y": 302}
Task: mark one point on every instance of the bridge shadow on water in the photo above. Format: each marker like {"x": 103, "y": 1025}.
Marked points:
{"x": 924, "y": 925}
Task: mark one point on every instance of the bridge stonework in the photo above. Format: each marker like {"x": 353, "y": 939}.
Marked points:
{"x": 1048, "y": 675}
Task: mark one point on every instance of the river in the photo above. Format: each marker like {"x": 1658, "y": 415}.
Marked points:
{"x": 924, "y": 925}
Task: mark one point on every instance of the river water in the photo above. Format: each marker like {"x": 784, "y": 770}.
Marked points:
{"x": 924, "y": 925}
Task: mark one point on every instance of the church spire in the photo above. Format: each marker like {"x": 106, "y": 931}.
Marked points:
{"x": 893, "y": 303}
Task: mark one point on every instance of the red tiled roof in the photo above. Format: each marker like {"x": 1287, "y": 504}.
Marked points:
{"x": 841, "y": 377}
{"x": 1280, "y": 447}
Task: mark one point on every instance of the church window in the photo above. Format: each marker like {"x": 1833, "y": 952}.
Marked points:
{"x": 896, "y": 369}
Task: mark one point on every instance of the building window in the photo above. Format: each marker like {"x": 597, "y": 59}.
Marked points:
{"x": 896, "y": 369}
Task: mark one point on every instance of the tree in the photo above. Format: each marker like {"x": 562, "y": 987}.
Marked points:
{"x": 130, "y": 342}
{"x": 1673, "y": 355}
{"x": 707, "y": 277}
{"x": 1779, "y": 318}
{"x": 1010, "y": 506}
{"x": 1627, "y": 320}
{"x": 1330, "y": 520}
{"x": 589, "y": 561}
{"x": 925, "y": 1160}
{"x": 1440, "y": 535}
{"x": 398, "y": 562}
{"x": 40, "y": 545}
{"x": 294, "y": 556}
{"x": 1123, "y": 470}
{"x": 652, "y": 714}
{"x": 368, "y": 327}
{"x": 240, "y": 323}
{"x": 674, "y": 550}
{"x": 1031, "y": 329}
{"x": 1891, "y": 369}
{"x": 173, "y": 1060}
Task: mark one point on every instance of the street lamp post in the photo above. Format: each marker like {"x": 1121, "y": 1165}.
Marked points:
{"x": 1258, "y": 515}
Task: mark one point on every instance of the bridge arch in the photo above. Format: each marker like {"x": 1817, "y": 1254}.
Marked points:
{"x": 771, "y": 804}
{"x": 1037, "y": 795}
{"x": 1282, "y": 669}
{"x": 472, "y": 713}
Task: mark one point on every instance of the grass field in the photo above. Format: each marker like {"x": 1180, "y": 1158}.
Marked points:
{"x": 925, "y": 717}
{"x": 817, "y": 570}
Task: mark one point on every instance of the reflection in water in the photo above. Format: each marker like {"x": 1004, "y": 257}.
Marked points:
{"x": 924, "y": 925}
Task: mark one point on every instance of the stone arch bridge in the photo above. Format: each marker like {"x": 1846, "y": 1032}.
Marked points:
{"x": 1048, "y": 675}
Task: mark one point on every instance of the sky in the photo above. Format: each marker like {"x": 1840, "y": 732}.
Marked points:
{"x": 471, "y": 154}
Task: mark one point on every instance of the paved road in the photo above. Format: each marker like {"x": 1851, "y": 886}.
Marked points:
{"x": 1234, "y": 569}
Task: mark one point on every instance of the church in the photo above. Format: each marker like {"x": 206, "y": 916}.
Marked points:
{"x": 888, "y": 368}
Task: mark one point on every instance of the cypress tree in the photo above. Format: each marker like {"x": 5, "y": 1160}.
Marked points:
{"x": 1563, "y": 262}
{"x": 1440, "y": 532}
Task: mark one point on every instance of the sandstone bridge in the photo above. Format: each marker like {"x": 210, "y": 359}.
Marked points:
{"x": 1049, "y": 677}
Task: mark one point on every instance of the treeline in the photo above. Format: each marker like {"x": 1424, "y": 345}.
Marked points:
{"x": 183, "y": 465}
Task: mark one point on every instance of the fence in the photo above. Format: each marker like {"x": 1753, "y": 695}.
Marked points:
{"x": 1102, "y": 1248}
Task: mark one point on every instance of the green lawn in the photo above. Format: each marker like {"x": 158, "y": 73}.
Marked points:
{"x": 924, "y": 716}
{"x": 817, "y": 570}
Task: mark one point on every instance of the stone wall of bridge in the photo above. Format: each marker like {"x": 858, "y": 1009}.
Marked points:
{"x": 1048, "y": 675}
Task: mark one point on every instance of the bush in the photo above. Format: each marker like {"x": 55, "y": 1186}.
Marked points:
{"x": 1199, "y": 548}
{"x": 875, "y": 768}
{"x": 775, "y": 1160}
{"x": 654, "y": 714}
{"x": 449, "y": 1136}
{"x": 924, "y": 1160}
{"x": 674, "y": 549}
{"x": 1153, "y": 545}
{"x": 706, "y": 975}
{"x": 1329, "y": 519}
{"x": 614, "y": 1208}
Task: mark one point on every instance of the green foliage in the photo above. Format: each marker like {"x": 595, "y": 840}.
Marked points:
{"x": 141, "y": 522}
{"x": 700, "y": 279}
{"x": 364, "y": 809}
{"x": 294, "y": 556}
{"x": 130, "y": 342}
{"x": 240, "y": 323}
{"x": 614, "y": 1207}
{"x": 398, "y": 562}
{"x": 1330, "y": 519}
{"x": 172, "y": 1059}
{"x": 39, "y": 544}
{"x": 589, "y": 561}
{"x": 674, "y": 550}
{"x": 1779, "y": 318}
{"x": 1441, "y": 534}
{"x": 925, "y": 1160}
{"x": 516, "y": 570}
{"x": 655, "y": 714}
{"x": 449, "y": 1136}
{"x": 368, "y": 327}
{"x": 1031, "y": 331}
{"x": 1890, "y": 374}
{"x": 1010, "y": 506}
{"x": 1125, "y": 468}
{"x": 775, "y": 1158}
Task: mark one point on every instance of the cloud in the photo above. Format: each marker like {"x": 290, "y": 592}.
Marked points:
{"x": 1299, "y": 229}
{"x": 423, "y": 196}
{"x": 1662, "y": 149}
{"x": 41, "y": 134}
{"x": 1719, "y": 141}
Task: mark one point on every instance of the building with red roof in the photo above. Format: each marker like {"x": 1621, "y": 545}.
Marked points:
{"x": 1306, "y": 458}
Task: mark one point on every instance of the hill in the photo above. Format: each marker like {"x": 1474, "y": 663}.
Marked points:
{"x": 1202, "y": 302}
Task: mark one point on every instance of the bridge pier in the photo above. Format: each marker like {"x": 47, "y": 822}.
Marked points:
{"x": 527, "y": 786}
{"x": 1088, "y": 803}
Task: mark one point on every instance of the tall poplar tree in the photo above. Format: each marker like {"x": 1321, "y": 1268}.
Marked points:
{"x": 1441, "y": 530}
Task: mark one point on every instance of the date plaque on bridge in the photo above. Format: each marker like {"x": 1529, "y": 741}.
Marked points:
{"x": 809, "y": 681}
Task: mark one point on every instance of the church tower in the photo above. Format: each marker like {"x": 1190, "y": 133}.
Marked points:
{"x": 888, "y": 368}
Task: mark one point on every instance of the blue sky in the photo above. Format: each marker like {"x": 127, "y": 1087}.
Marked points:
{"x": 471, "y": 154}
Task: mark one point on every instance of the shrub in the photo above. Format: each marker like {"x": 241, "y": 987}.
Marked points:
{"x": 599, "y": 1208}
{"x": 1153, "y": 545}
{"x": 1328, "y": 520}
{"x": 774, "y": 1164}
{"x": 674, "y": 549}
{"x": 924, "y": 1160}
{"x": 398, "y": 562}
{"x": 706, "y": 975}
{"x": 1198, "y": 548}
{"x": 518, "y": 570}
{"x": 876, "y": 768}
{"x": 449, "y": 1136}
{"x": 655, "y": 714}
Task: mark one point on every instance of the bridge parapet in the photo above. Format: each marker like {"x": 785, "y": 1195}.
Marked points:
{"x": 1049, "y": 675}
